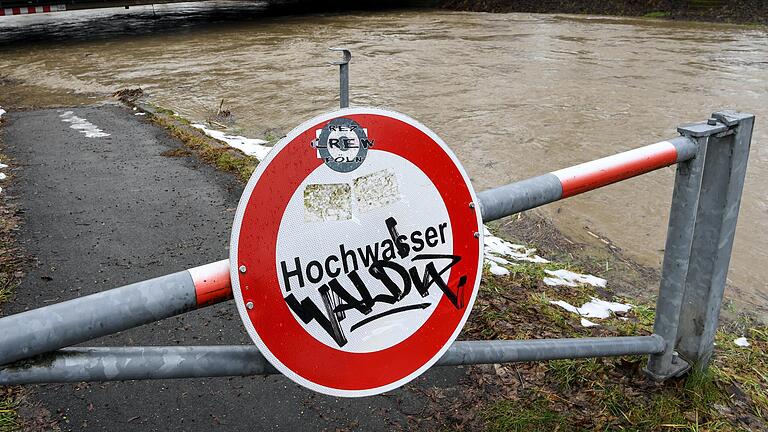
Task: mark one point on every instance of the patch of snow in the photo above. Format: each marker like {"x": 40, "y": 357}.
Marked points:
{"x": 3, "y": 176}
{"x": 565, "y": 305}
{"x": 82, "y": 125}
{"x": 742, "y": 342}
{"x": 497, "y": 250}
{"x": 597, "y": 308}
{"x": 587, "y": 323}
{"x": 498, "y": 270}
{"x": 594, "y": 308}
{"x": 2, "y": 165}
{"x": 495, "y": 259}
{"x": 2, "y": 111}
{"x": 250, "y": 146}
{"x": 569, "y": 278}
{"x": 140, "y": 114}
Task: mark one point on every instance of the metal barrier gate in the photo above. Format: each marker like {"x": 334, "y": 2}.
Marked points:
{"x": 711, "y": 160}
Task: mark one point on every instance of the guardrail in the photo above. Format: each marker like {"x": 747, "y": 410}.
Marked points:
{"x": 711, "y": 160}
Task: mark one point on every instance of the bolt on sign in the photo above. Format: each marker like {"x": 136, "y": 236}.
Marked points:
{"x": 355, "y": 254}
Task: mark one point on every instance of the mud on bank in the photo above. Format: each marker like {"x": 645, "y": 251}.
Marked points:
{"x": 737, "y": 11}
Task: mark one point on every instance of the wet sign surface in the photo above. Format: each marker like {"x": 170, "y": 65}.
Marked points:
{"x": 354, "y": 254}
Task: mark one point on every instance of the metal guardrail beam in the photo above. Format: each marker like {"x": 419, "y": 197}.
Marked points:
{"x": 76, "y": 321}
{"x": 22, "y": 7}
{"x": 700, "y": 237}
{"x": 133, "y": 363}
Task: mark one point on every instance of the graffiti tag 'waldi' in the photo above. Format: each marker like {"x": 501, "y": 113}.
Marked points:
{"x": 339, "y": 295}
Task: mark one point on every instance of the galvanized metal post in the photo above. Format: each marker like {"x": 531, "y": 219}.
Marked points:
{"x": 685, "y": 199}
{"x": 343, "y": 76}
{"x": 702, "y": 225}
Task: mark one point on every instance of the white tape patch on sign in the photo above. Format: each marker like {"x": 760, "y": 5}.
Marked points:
{"x": 355, "y": 253}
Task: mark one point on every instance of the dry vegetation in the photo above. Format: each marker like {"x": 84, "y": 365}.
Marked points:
{"x": 211, "y": 151}
{"x": 11, "y": 261}
{"x": 594, "y": 394}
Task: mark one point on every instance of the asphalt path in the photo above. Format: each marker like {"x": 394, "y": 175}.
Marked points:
{"x": 104, "y": 211}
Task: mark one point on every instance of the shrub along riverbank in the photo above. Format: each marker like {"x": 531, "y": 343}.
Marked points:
{"x": 735, "y": 11}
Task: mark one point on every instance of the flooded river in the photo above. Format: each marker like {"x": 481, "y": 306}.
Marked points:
{"x": 515, "y": 95}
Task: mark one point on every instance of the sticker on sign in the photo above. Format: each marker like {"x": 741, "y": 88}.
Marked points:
{"x": 355, "y": 254}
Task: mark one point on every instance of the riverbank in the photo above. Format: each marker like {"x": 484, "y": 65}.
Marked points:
{"x": 10, "y": 275}
{"x": 738, "y": 11}
{"x": 515, "y": 302}
{"x": 523, "y": 296}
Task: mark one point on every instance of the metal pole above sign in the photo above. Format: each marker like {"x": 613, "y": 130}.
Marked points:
{"x": 343, "y": 75}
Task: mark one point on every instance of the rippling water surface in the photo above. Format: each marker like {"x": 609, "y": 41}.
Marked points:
{"x": 514, "y": 95}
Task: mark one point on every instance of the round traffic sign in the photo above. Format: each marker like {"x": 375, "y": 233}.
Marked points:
{"x": 355, "y": 255}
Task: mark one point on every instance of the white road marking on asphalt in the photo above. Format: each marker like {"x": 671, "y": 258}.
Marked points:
{"x": 82, "y": 125}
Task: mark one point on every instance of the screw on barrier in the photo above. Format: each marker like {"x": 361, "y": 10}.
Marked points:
{"x": 343, "y": 75}
{"x": 249, "y": 305}
{"x": 471, "y": 205}
{"x": 242, "y": 269}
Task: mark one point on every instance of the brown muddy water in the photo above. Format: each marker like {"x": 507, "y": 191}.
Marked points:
{"x": 514, "y": 95}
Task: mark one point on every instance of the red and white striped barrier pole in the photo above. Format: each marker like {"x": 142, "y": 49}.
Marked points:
{"x": 27, "y": 10}
{"x": 74, "y": 321}
{"x": 534, "y": 192}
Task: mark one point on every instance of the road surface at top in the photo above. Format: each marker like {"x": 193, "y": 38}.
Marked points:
{"x": 103, "y": 211}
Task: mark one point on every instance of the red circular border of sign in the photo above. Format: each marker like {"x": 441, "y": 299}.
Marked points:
{"x": 339, "y": 372}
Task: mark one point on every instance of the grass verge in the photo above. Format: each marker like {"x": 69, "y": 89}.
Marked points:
{"x": 657, "y": 14}
{"x": 597, "y": 394}
{"x": 569, "y": 395}
{"x": 210, "y": 150}
{"x": 10, "y": 276}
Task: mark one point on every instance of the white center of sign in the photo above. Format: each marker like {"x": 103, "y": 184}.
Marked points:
{"x": 337, "y": 227}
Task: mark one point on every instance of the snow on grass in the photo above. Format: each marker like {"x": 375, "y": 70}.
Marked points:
{"x": 595, "y": 308}
{"x": 82, "y": 125}
{"x": 569, "y": 278}
{"x": 498, "y": 251}
{"x": 2, "y": 111}
{"x": 249, "y": 146}
{"x": 3, "y": 176}
{"x": 742, "y": 342}
{"x": 497, "y": 270}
